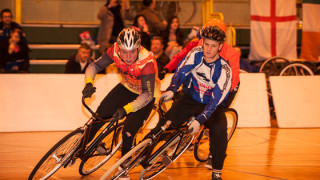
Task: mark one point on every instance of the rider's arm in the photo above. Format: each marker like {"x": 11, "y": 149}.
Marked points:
{"x": 175, "y": 60}
{"x": 184, "y": 69}
{"x": 148, "y": 86}
{"x": 97, "y": 66}
{"x": 219, "y": 94}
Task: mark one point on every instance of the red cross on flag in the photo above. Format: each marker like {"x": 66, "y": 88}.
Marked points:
{"x": 273, "y": 29}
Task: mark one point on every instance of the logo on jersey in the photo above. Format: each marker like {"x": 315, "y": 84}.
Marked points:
{"x": 203, "y": 76}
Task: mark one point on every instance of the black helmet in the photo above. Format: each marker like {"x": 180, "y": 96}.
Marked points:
{"x": 128, "y": 39}
{"x": 213, "y": 33}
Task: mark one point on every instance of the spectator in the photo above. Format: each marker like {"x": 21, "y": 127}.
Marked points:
{"x": 78, "y": 63}
{"x": 158, "y": 54}
{"x": 141, "y": 26}
{"x": 6, "y": 24}
{"x": 154, "y": 22}
{"x": 112, "y": 16}
{"x": 14, "y": 53}
{"x": 173, "y": 37}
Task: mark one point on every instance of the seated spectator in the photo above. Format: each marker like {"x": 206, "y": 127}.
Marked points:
{"x": 6, "y": 24}
{"x": 154, "y": 22}
{"x": 112, "y": 16}
{"x": 78, "y": 63}
{"x": 141, "y": 26}
{"x": 157, "y": 50}
{"x": 14, "y": 53}
{"x": 173, "y": 37}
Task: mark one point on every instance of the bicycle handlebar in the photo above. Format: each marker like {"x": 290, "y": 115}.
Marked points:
{"x": 168, "y": 123}
{"x": 95, "y": 115}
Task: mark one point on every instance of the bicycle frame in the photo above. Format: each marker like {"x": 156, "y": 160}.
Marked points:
{"x": 86, "y": 152}
{"x": 179, "y": 131}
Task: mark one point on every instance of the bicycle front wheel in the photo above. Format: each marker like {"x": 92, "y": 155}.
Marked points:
{"x": 57, "y": 156}
{"x": 103, "y": 151}
{"x": 127, "y": 162}
{"x": 168, "y": 155}
{"x": 201, "y": 146}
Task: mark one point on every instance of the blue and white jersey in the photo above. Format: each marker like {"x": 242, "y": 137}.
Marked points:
{"x": 206, "y": 83}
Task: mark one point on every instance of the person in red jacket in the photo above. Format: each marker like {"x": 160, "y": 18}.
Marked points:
{"x": 232, "y": 56}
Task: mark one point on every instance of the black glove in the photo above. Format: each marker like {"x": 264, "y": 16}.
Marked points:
{"x": 88, "y": 90}
{"x": 120, "y": 114}
{"x": 163, "y": 73}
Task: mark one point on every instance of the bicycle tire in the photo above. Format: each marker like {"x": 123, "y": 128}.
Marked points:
{"x": 157, "y": 162}
{"x": 101, "y": 155}
{"x": 201, "y": 150}
{"x": 269, "y": 67}
{"x": 63, "y": 150}
{"x": 296, "y": 69}
{"x": 132, "y": 157}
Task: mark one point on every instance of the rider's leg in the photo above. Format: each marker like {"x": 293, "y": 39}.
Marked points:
{"x": 118, "y": 97}
{"x": 132, "y": 124}
{"x": 181, "y": 110}
{"x": 218, "y": 138}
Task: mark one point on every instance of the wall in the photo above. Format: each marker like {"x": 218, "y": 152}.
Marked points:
{"x": 85, "y": 11}
{"x": 296, "y": 100}
{"x": 236, "y": 12}
{"x": 52, "y": 102}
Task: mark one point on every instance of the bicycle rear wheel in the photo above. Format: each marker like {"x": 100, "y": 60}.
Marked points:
{"x": 102, "y": 152}
{"x": 296, "y": 69}
{"x": 127, "y": 162}
{"x": 57, "y": 156}
{"x": 165, "y": 157}
{"x": 201, "y": 147}
{"x": 272, "y": 66}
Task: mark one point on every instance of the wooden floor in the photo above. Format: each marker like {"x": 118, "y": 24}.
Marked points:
{"x": 253, "y": 153}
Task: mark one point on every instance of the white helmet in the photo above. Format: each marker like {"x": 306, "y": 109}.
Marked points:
{"x": 129, "y": 39}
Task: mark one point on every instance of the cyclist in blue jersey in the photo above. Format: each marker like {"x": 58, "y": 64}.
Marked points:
{"x": 206, "y": 78}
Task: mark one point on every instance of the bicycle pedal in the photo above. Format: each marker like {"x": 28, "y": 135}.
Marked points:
{"x": 71, "y": 163}
{"x": 102, "y": 150}
{"x": 166, "y": 160}
{"x": 206, "y": 133}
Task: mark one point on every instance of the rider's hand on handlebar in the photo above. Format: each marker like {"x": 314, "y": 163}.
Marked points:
{"x": 194, "y": 127}
{"x": 166, "y": 96}
{"x": 88, "y": 90}
{"x": 120, "y": 114}
{"x": 163, "y": 73}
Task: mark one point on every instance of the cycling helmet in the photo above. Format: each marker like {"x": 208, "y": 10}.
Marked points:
{"x": 128, "y": 39}
{"x": 213, "y": 33}
{"x": 216, "y": 22}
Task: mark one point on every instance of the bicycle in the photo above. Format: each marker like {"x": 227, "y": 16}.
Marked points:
{"x": 156, "y": 152}
{"x": 273, "y": 65}
{"x": 296, "y": 69}
{"x": 201, "y": 140}
{"x": 74, "y": 145}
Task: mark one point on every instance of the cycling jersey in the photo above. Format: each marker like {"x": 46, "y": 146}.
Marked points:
{"x": 206, "y": 83}
{"x": 227, "y": 52}
{"x": 141, "y": 77}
